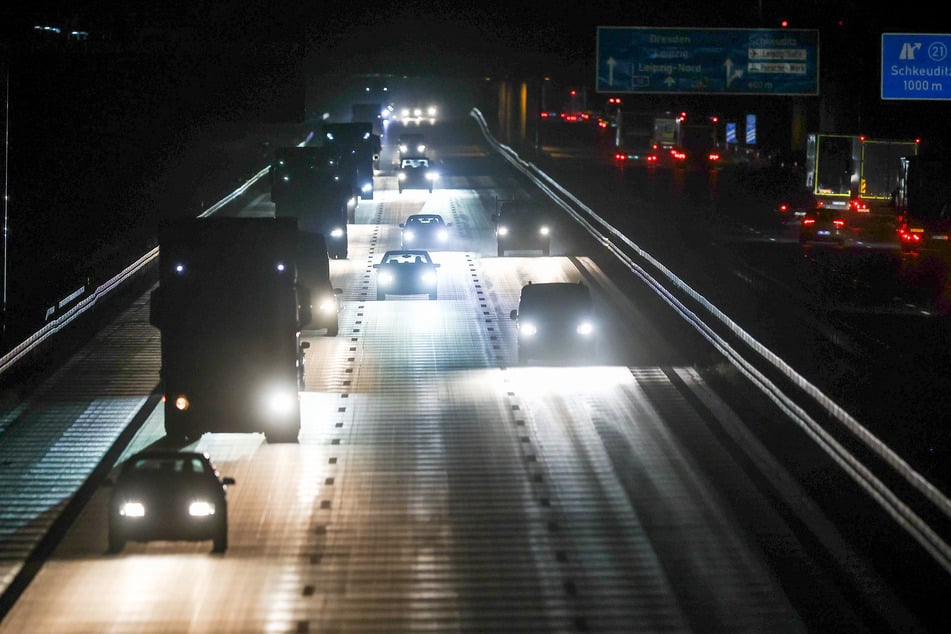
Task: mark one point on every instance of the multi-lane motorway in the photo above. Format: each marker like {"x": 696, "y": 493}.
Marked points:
{"x": 439, "y": 486}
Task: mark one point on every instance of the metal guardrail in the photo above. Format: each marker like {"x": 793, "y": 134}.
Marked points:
{"x": 618, "y": 244}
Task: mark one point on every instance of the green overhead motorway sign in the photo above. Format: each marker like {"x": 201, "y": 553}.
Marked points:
{"x": 708, "y": 61}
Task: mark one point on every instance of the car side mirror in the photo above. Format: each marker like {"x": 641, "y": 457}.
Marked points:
{"x": 513, "y": 314}
{"x": 304, "y": 345}
{"x": 401, "y": 225}
{"x": 228, "y": 481}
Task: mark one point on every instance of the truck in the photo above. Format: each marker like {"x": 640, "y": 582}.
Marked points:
{"x": 923, "y": 206}
{"x": 309, "y": 184}
{"x": 358, "y": 149}
{"x": 230, "y": 313}
{"x": 368, "y": 113}
{"x": 855, "y": 173}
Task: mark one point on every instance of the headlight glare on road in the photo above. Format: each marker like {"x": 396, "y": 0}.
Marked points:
{"x": 527, "y": 329}
{"x": 585, "y": 328}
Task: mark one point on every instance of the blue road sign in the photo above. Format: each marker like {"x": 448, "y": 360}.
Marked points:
{"x": 916, "y": 66}
{"x": 708, "y": 61}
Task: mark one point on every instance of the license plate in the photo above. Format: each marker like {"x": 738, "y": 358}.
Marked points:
{"x": 824, "y": 232}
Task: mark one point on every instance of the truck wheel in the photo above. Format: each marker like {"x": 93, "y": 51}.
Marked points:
{"x": 401, "y": 190}
{"x": 546, "y": 250}
{"x": 175, "y": 432}
{"x": 220, "y": 543}
{"x": 116, "y": 541}
{"x": 281, "y": 437}
{"x": 333, "y": 329}
{"x": 501, "y": 251}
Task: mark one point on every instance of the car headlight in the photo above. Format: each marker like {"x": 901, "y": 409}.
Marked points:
{"x": 405, "y": 112}
{"x": 182, "y": 403}
{"x": 428, "y": 277}
{"x": 132, "y": 508}
{"x": 201, "y": 508}
{"x": 527, "y": 329}
{"x": 402, "y": 176}
{"x": 336, "y": 232}
{"x": 417, "y": 112}
{"x": 442, "y": 235}
{"x": 543, "y": 230}
{"x": 432, "y": 111}
{"x": 585, "y": 328}
{"x": 384, "y": 278}
{"x": 327, "y": 305}
{"x": 420, "y": 148}
{"x": 431, "y": 176}
{"x": 403, "y": 147}
{"x": 503, "y": 231}
{"x": 367, "y": 187}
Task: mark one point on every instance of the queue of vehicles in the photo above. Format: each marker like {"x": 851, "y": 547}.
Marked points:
{"x": 235, "y": 295}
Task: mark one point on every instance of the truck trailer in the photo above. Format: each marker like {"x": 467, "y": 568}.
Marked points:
{"x": 854, "y": 172}
{"x": 230, "y": 313}
{"x": 308, "y": 184}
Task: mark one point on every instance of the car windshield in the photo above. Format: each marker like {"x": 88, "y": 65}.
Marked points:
{"x": 168, "y": 465}
{"x": 412, "y": 163}
{"x": 406, "y": 258}
{"x": 424, "y": 220}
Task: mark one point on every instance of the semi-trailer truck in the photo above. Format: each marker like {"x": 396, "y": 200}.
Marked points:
{"x": 230, "y": 313}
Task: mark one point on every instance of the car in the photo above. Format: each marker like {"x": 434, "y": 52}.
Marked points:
{"x": 406, "y": 272}
{"x": 412, "y": 145}
{"x": 823, "y": 224}
{"x": 164, "y": 494}
{"x": 793, "y": 205}
{"x": 522, "y": 226}
{"x": 416, "y": 173}
{"x": 313, "y": 273}
{"x": 419, "y": 114}
{"x": 555, "y": 321}
{"x": 425, "y": 231}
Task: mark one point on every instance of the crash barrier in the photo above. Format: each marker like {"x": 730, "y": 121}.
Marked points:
{"x": 614, "y": 240}
{"x": 89, "y": 301}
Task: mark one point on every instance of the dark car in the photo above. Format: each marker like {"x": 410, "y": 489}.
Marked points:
{"x": 555, "y": 321}
{"x": 823, "y": 224}
{"x": 416, "y": 173}
{"x": 406, "y": 272}
{"x": 522, "y": 226}
{"x": 412, "y": 145}
{"x": 425, "y": 231}
{"x": 313, "y": 273}
{"x": 169, "y": 495}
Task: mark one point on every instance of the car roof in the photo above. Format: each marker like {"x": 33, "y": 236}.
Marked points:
{"x": 555, "y": 292}
{"x": 168, "y": 453}
{"x": 405, "y": 252}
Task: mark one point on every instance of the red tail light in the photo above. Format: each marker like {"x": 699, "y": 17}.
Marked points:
{"x": 620, "y": 157}
{"x": 838, "y": 223}
{"x": 713, "y": 157}
{"x": 858, "y": 205}
{"x": 651, "y": 158}
{"x": 808, "y": 221}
